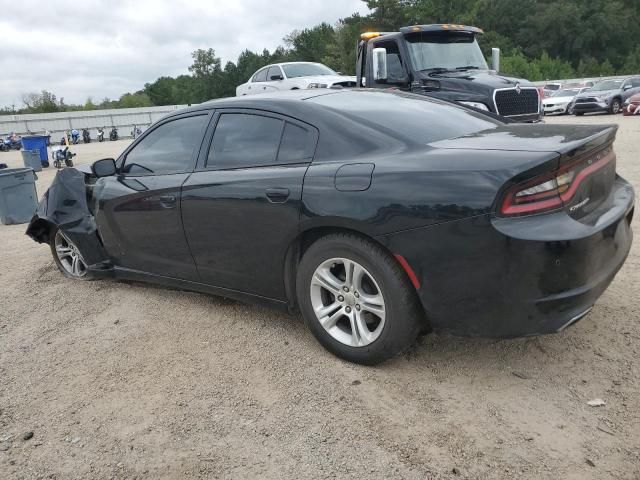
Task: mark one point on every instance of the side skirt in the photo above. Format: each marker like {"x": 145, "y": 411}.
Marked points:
{"x": 120, "y": 273}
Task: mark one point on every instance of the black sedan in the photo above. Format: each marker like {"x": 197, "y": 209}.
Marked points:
{"x": 377, "y": 215}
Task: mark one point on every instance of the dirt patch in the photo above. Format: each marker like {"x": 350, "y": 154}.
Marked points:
{"x": 125, "y": 380}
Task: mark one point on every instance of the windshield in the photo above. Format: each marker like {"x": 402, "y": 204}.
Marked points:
{"x": 450, "y": 51}
{"x": 607, "y": 85}
{"x": 294, "y": 70}
{"x": 569, "y": 92}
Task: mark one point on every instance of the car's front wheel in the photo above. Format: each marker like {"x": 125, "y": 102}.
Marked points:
{"x": 67, "y": 257}
{"x": 615, "y": 106}
{"x": 356, "y": 299}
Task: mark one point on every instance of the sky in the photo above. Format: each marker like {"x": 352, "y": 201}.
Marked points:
{"x": 104, "y": 48}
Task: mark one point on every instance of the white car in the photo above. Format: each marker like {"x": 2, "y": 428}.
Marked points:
{"x": 561, "y": 101}
{"x": 294, "y": 76}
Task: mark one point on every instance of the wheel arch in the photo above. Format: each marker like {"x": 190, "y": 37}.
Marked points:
{"x": 308, "y": 237}
{"x": 40, "y": 230}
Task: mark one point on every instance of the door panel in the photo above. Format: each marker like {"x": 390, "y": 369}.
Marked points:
{"x": 138, "y": 211}
{"x": 139, "y": 219}
{"x": 239, "y": 224}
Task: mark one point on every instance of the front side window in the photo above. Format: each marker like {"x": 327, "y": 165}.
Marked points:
{"x": 274, "y": 72}
{"x": 168, "y": 148}
{"x": 395, "y": 70}
{"x": 261, "y": 76}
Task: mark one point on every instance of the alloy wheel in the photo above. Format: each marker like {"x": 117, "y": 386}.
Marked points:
{"x": 615, "y": 106}
{"x": 69, "y": 256}
{"x": 347, "y": 302}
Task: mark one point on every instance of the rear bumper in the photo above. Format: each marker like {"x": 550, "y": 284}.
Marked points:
{"x": 499, "y": 277}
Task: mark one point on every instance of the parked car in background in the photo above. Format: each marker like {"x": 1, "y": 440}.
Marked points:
{"x": 606, "y": 96}
{"x": 376, "y": 214}
{"x": 294, "y": 76}
{"x": 632, "y": 105}
{"x": 583, "y": 84}
{"x": 561, "y": 102}
{"x": 550, "y": 88}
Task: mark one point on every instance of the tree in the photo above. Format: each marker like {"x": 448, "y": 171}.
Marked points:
{"x": 44, "y": 102}
{"x": 206, "y": 71}
{"x": 310, "y": 44}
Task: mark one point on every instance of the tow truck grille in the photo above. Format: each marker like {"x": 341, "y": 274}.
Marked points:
{"x": 510, "y": 103}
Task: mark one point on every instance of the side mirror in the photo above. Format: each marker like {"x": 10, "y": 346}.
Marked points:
{"x": 379, "y": 64}
{"x": 276, "y": 77}
{"x": 495, "y": 59}
{"x": 626, "y": 87}
{"x": 104, "y": 168}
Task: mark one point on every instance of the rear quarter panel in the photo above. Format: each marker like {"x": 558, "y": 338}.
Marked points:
{"x": 415, "y": 189}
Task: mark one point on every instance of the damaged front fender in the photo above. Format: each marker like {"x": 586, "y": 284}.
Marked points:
{"x": 64, "y": 206}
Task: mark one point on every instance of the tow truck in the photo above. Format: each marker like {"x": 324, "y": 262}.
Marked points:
{"x": 444, "y": 61}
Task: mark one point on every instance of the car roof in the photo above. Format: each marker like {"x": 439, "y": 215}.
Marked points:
{"x": 261, "y": 100}
{"x": 288, "y": 63}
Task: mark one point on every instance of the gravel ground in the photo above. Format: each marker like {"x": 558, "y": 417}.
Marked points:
{"x": 126, "y": 380}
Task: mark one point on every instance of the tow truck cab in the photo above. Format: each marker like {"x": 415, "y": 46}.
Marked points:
{"x": 444, "y": 61}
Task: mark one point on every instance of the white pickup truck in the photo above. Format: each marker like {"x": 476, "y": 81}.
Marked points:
{"x": 294, "y": 76}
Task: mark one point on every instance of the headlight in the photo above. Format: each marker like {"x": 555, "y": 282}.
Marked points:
{"x": 317, "y": 85}
{"x": 601, "y": 99}
{"x": 478, "y": 105}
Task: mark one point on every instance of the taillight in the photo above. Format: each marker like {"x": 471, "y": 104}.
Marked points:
{"x": 552, "y": 191}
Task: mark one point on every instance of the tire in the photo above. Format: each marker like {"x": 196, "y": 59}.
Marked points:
{"x": 614, "y": 108}
{"x": 579, "y": 114}
{"x": 63, "y": 261}
{"x": 68, "y": 162}
{"x": 382, "y": 281}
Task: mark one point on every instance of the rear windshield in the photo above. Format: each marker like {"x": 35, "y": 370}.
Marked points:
{"x": 417, "y": 117}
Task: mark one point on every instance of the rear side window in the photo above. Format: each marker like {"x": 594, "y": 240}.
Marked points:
{"x": 261, "y": 76}
{"x": 168, "y": 148}
{"x": 298, "y": 144}
{"x": 243, "y": 140}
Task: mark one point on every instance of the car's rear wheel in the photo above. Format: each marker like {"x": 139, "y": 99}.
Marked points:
{"x": 67, "y": 257}
{"x": 356, "y": 299}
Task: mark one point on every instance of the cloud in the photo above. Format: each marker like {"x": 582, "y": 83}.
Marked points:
{"x": 104, "y": 48}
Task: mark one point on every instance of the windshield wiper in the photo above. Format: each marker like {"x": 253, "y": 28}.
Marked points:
{"x": 468, "y": 67}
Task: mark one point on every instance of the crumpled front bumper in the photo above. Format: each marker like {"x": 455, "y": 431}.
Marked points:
{"x": 64, "y": 205}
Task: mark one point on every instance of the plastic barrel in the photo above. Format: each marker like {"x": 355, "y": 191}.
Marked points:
{"x": 31, "y": 159}
{"x": 37, "y": 142}
{"x": 18, "y": 196}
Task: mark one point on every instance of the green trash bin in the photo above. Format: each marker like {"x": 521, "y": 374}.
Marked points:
{"x": 31, "y": 159}
{"x": 18, "y": 196}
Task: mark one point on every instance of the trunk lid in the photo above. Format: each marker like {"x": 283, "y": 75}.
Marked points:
{"x": 531, "y": 138}
{"x": 585, "y": 160}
